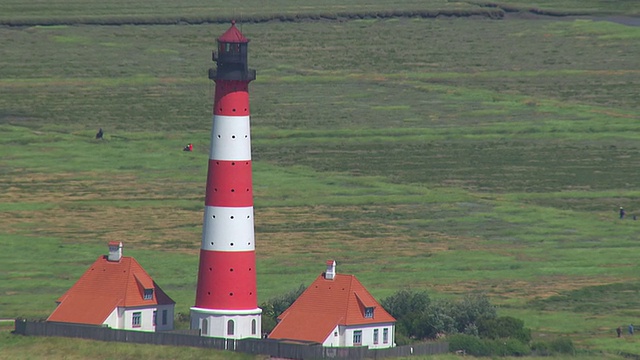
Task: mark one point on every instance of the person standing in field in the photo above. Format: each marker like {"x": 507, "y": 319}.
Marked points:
{"x": 630, "y": 329}
{"x": 621, "y": 213}
{"x": 619, "y": 331}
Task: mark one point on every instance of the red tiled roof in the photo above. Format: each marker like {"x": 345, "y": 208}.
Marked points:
{"x": 326, "y": 304}
{"x": 103, "y": 287}
{"x": 233, "y": 35}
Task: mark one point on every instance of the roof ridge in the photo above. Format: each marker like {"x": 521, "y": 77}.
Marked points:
{"x": 349, "y": 292}
{"x": 128, "y": 278}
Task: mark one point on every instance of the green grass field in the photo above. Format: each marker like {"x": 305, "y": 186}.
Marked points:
{"x": 451, "y": 154}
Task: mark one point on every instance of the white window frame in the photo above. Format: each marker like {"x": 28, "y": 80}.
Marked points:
{"x": 136, "y": 319}
{"x": 368, "y": 312}
{"x": 357, "y": 337}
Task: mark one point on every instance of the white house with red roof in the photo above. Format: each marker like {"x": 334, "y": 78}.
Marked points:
{"x": 337, "y": 310}
{"x": 116, "y": 292}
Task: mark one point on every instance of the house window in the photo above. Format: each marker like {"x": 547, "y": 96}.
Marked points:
{"x": 385, "y": 335}
{"x": 368, "y": 312}
{"x": 375, "y": 336}
{"x": 164, "y": 317}
{"x": 357, "y": 337}
{"x": 230, "y": 327}
{"x": 253, "y": 327}
{"x": 148, "y": 294}
{"x": 136, "y": 321}
{"x": 155, "y": 316}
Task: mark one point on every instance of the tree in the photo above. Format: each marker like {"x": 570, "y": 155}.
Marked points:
{"x": 406, "y": 302}
{"x": 470, "y": 309}
{"x": 407, "y": 306}
{"x": 504, "y": 327}
{"x": 275, "y": 306}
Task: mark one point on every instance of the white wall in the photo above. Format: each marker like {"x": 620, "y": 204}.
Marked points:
{"x": 122, "y": 318}
{"x": 170, "y": 315}
{"x": 367, "y": 335}
{"x": 216, "y": 324}
{"x": 335, "y": 338}
{"x": 146, "y": 323}
{"x": 112, "y": 319}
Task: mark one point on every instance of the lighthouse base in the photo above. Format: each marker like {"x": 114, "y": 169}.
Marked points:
{"x": 227, "y": 324}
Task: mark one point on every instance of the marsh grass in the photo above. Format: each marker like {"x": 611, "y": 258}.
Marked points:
{"x": 462, "y": 156}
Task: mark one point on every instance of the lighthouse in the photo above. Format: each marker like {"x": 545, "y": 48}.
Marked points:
{"x": 226, "y": 300}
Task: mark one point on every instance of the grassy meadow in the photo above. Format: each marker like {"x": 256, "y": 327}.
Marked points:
{"x": 451, "y": 154}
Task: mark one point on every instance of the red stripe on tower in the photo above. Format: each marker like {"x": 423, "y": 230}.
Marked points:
{"x": 226, "y": 299}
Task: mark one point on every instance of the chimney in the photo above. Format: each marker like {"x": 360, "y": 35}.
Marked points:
{"x": 115, "y": 251}
{"x": 331, "y": 270}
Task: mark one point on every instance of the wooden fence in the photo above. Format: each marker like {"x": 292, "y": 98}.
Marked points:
{"x": 274, "y": 348}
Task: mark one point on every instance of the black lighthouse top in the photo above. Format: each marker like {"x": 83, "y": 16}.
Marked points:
{"x": 231, "y": 57}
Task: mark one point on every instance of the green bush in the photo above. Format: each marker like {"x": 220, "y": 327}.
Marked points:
{"x": 402, "y": 339}
{"x": 408, "y": 307}
{"x": 541, "y": 348}
{"x": 562, "y": 345}
{"x": 502, "y": 328}
{"x": 476, "y": 346}
{"x": 471, "y": 345}
{"x": 514, "y": 347}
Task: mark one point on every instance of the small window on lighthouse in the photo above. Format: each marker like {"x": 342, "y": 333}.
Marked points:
{"x": 205, "y": 327}
{"x": 230, "y": 327}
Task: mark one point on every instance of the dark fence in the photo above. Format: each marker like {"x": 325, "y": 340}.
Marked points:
{"x": 274, "y": 348}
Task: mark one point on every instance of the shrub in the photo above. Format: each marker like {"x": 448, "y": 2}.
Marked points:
{"x": 401, "y": 339}
{"x": 470, "y": 309}
{"x": 541, "y": 348}
{"x": 409, "y": 308}
{"x": 406, "y": 302}
{"x": 469, "y": 344}
{"x": 514, "y": 347}
{"x": 503, "y": 327}
{"x": 475, "y": 346}
{"x": 562, "y": 345}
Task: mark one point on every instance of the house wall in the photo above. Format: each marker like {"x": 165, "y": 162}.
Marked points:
{"x": 113, "y": 320}
{"x": 335, "y": 338}
{"x": 122, "y": 318}
{"x": 367, "y": 335}
{"x": 146, "y": 319}
{"x": 170, "y": 315}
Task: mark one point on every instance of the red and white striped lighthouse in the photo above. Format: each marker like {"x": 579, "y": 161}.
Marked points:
{"x": 226, "y": 300}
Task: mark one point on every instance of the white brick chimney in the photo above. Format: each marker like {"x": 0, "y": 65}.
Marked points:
{"x": 331, "y": 270}
{"x": 115, "y": 251}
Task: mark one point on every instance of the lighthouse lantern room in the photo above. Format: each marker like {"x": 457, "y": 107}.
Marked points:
{"x": 226, "y": 298}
